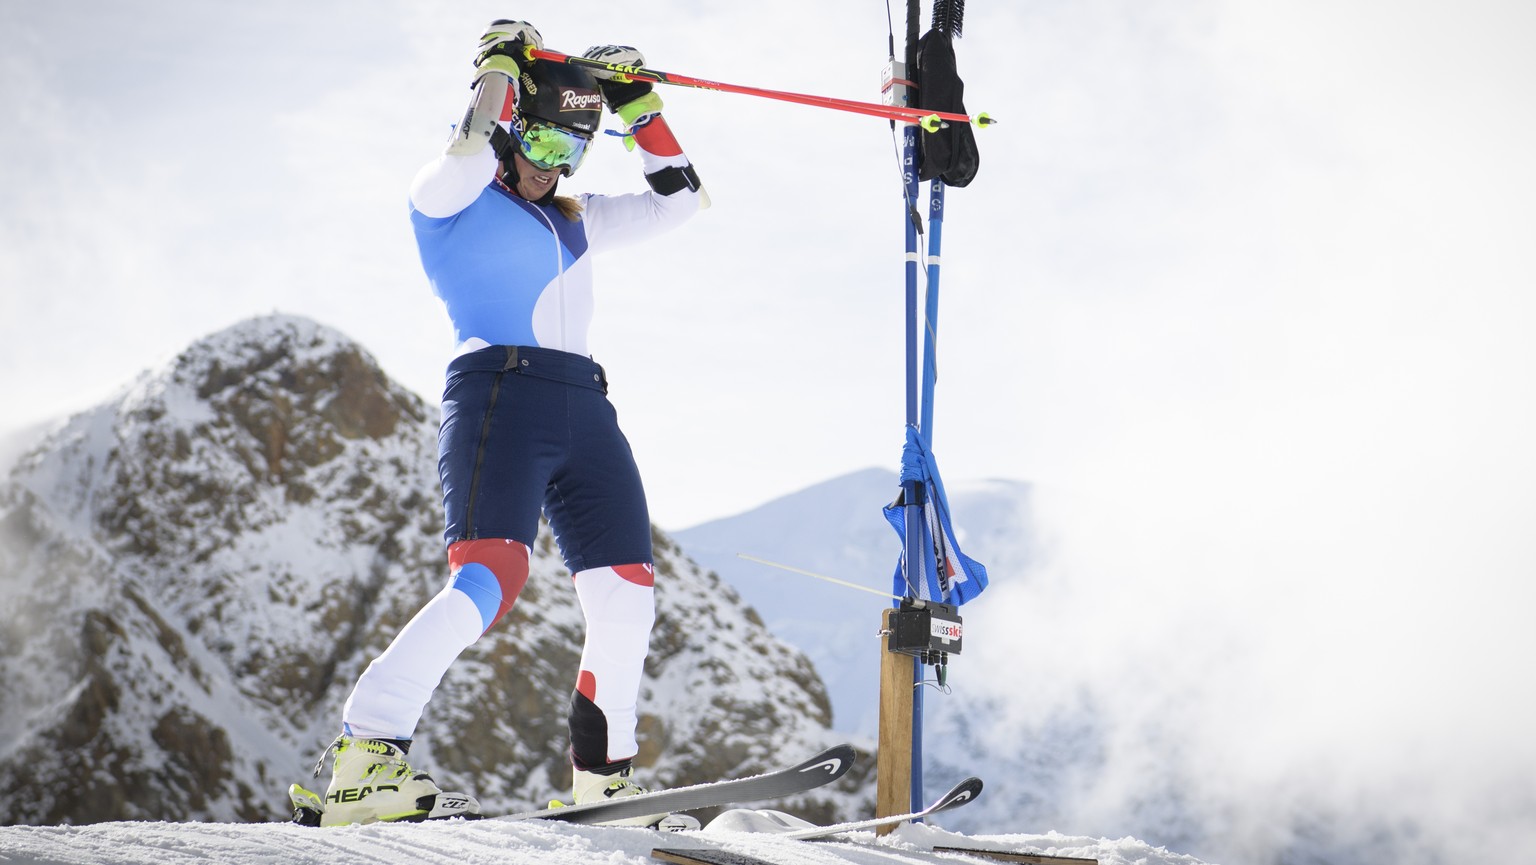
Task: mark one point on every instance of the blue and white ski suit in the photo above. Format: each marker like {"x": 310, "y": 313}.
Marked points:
{"x": 527, "y": 427}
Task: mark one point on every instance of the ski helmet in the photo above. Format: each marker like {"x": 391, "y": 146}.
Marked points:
{"x": 558, "y": 110}
{"x": 561, "y": 94}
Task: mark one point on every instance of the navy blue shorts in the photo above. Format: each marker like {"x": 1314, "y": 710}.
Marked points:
{"x": 526, "y": 429}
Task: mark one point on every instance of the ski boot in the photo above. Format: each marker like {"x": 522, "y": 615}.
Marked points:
{"x": 592, "y": 787}
{"x": 372, "y": 782}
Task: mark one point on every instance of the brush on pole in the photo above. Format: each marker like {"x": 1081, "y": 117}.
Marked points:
{"x": 947, "y": 15}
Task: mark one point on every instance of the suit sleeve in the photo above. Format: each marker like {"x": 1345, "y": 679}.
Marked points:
{"x": 620, "y": 220}
{"x": 448, "y": 184}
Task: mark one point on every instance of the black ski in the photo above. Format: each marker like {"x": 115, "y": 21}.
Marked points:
{"x": 704, "y": 856}
{"x": 824, "y": 768}
{"x": 1009, "y": 856}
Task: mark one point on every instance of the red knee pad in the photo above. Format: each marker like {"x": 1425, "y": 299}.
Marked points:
{"x": 505, "y": 558}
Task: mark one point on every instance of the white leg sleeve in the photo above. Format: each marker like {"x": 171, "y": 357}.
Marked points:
{"x": 391, "y": 694}
{"x": 619, "y": 611}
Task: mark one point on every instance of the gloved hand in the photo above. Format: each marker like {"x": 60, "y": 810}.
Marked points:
{"x": 628, "y": 99}
{"x": 502, "y": 48}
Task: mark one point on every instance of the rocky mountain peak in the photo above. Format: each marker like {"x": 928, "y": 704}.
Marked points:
{"x": 197, "y": 571}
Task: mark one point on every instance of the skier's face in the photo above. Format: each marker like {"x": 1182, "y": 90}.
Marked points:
{"x": 533, "y": 183}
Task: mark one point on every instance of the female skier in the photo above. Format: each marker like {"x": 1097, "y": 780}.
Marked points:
{"x": 526, "y": 423}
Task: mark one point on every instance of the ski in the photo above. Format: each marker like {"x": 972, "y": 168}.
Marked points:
{"x": 704, "y": 856}
{"x": 824, "y": 768}
{"x": 962, "y": 793}
{"x": 1009, "y": 856}
{"x": 710, "y": 856}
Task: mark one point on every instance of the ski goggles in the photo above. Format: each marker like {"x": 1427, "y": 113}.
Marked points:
{"x": 550, "y": 147}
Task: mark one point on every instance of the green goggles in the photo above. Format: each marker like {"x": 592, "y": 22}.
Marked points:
{"x": 550, "y": 147}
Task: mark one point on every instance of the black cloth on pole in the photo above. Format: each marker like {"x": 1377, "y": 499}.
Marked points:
{"x": 950, "y": 153}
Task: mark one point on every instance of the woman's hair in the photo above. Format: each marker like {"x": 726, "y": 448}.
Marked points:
{"x": 569, "y": 207}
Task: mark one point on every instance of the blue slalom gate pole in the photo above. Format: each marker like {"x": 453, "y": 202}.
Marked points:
{"x": 912, "y": 491}
{"x": 931, "y": 311}
{"x": 929, "y": 377}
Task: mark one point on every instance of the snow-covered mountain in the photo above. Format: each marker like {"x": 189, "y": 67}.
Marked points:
{"x": 195, "y": 572}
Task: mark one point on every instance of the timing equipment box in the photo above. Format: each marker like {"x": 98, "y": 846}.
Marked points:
{"x": 924, "y": 629}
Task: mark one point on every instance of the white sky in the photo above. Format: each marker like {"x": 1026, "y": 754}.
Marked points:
{"x": 1196, "y": 222}
{"x": 1248, "y": 288}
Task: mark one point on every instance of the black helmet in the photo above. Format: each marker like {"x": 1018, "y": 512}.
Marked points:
{"x": 561, "y": 94}
{"x": 557, "y": 113}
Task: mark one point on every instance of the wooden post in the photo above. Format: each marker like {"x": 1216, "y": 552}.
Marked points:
{"x": 893, "y": 764}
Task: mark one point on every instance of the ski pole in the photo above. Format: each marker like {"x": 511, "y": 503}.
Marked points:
{"x": 930, "y": 121}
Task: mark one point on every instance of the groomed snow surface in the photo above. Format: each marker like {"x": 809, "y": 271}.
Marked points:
{"x": 518, "y": 843}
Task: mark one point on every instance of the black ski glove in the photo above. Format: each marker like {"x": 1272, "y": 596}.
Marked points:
{"x": 502, "y": 48}
{"x": 617, "y": 94}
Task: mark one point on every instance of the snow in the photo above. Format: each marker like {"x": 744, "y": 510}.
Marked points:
{"x": 516, "y": 843}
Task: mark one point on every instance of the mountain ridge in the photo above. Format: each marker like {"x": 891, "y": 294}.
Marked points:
{"x": 232, "y": 538}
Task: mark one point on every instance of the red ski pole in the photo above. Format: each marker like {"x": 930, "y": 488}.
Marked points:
{"x": 931, "y": 121}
